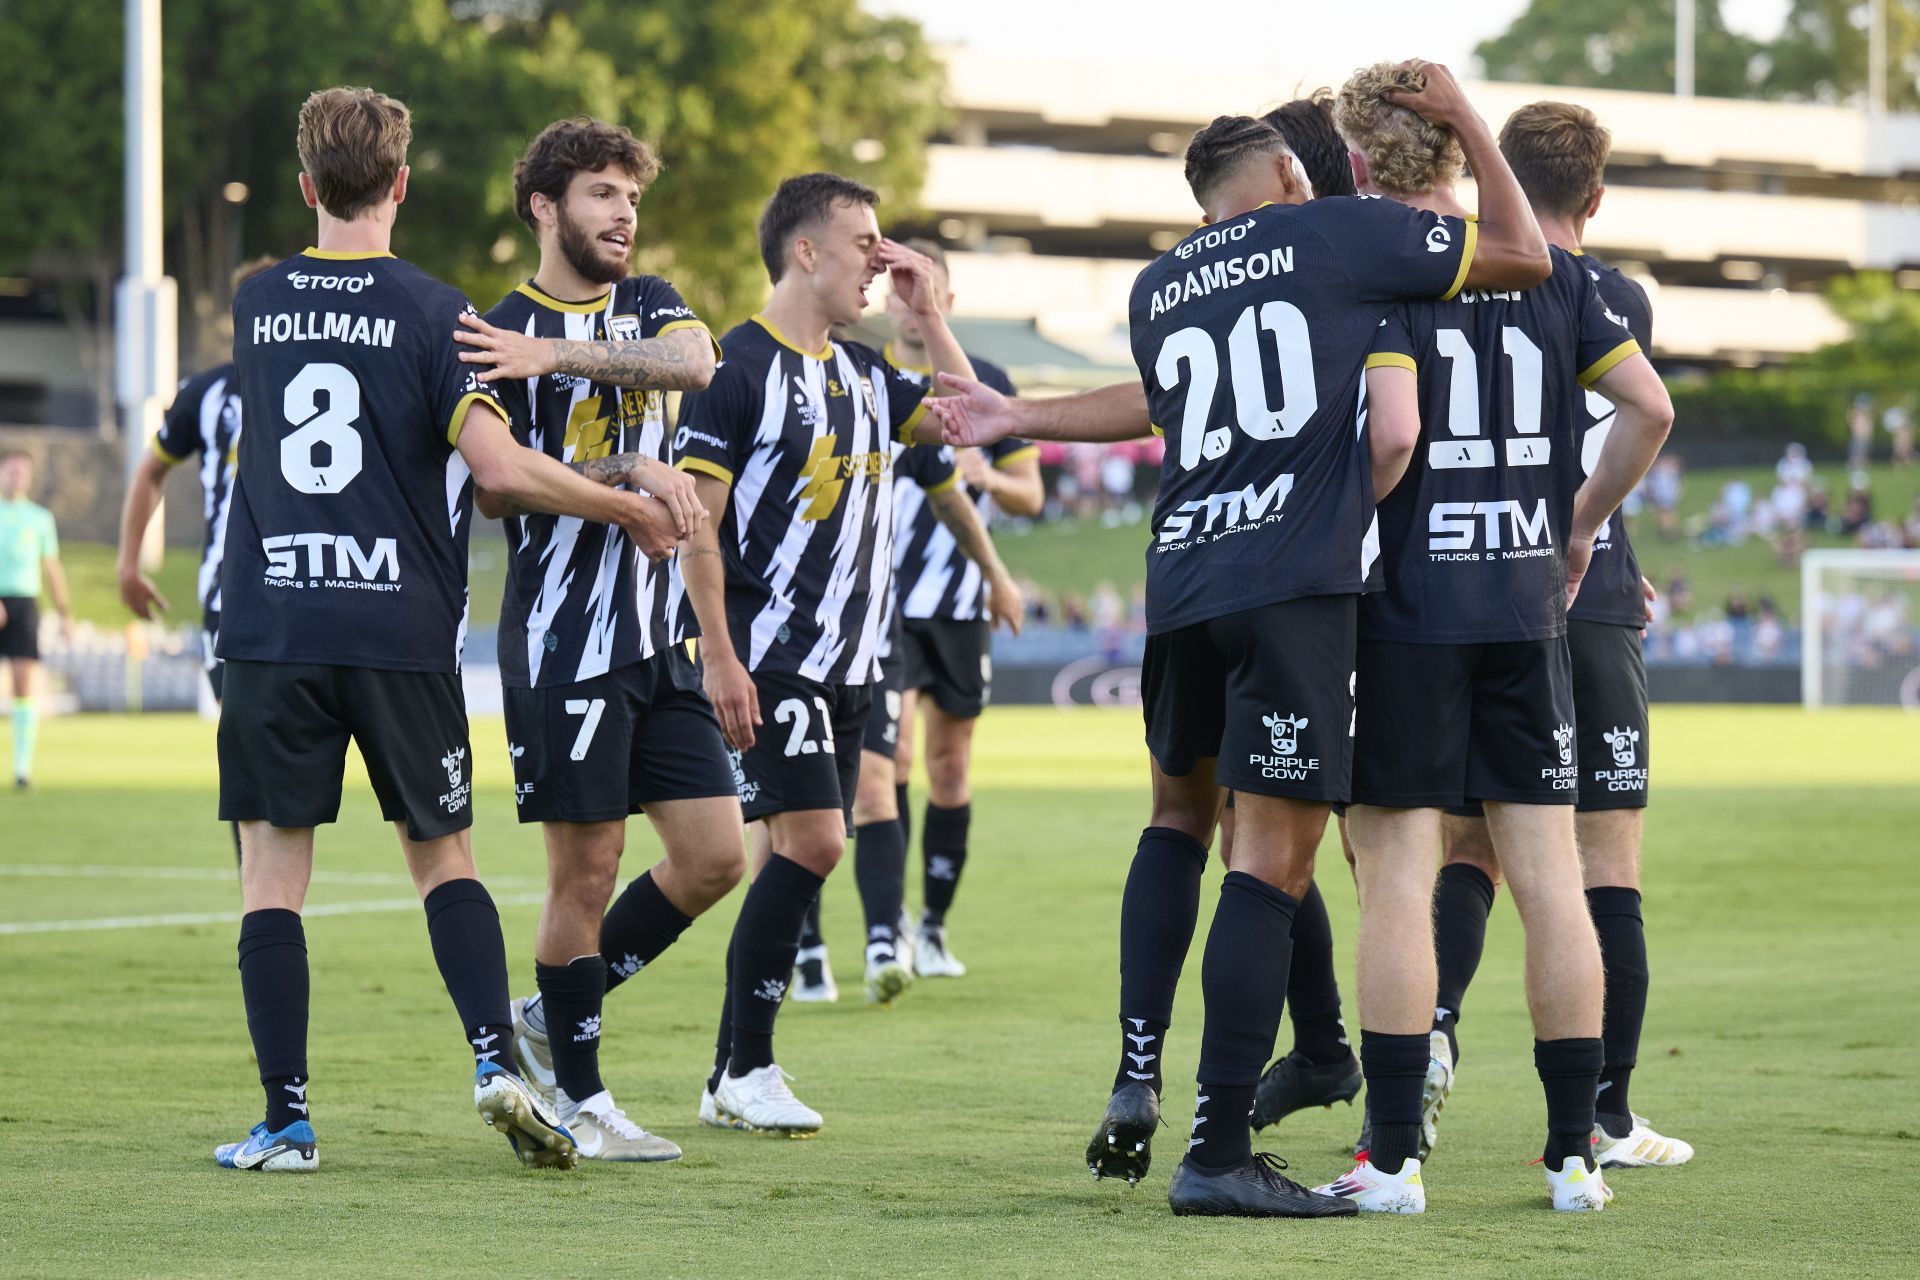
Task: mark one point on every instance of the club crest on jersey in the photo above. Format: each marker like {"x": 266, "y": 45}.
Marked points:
{"x": 624, "y": 328}
{"x": 1625, "y": 744}
{"x": 866, "y": 393}
{"x": 1286, "y": 764}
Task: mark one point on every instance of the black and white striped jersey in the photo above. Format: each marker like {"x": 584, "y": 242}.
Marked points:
{"x": 932, "y": 578}
{"x": 806, "y": 439}
{"x": 1611, "y": 591}
{"x": 581, "y": 600}
{"x": 205, "y": 420}
{"x": 347, "y": 536}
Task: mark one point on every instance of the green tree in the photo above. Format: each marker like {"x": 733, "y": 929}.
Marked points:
{"x": 1821, "y": 53}
{"x": 1625, "y": 45}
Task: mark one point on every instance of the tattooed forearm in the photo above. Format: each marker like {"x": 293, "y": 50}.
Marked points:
{"x": 609, "y": 470}
{"x": 952, "y": 508}
{"x": 679, "y": 361}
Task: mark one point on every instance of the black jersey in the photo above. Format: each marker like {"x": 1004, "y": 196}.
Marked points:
{"x": 204, "y": 419}
{"x": 347, "y": 538}
{"x": 1252, "y": 336}
{"x": 1473, "y": 539}
{"x": 932, "y": 578}
{"x": 806, "y": 439}
{"x": 1611, "y": 591}
{"x": 581, "y": 600}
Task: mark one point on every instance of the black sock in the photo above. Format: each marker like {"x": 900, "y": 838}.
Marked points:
{"x": 1143, "y": 1043}
{"x": 1396, "y": 1070}
{"x": 1313, "y": 992}
{"x": 764, "y": 941}
{"x": 1462, "y": 900}
{"x": 943, "y": 852}
{"x": 1569, "y": 1070}
{"x": 810, "y": 935}
{"x": 1244, "y": 978}
{"x": 723, "y": 1044}
{"x": 1623, "y": 952}
{"x": 464, "y": 927}
{"x": 639, "y": 925}
{"x": 273, "y": 982}
{"x": 1157, "y": 915}
{"x": 573, "y": 993}
{"x": 880, "y": 871}
{"x": 906, "y": 815}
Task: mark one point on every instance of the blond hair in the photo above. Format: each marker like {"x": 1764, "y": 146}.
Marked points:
{"x": 1406, "y": 155}
{"x": 353, "y": 143}
{"x": 1558, "y": 151}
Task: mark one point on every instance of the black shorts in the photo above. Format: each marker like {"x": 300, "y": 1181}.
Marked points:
{"x": 20, "y": 633}
{"x": 1269, "y": 691}
{"x": 806, "y": 752}
{"x": 883, "y": 717}
{"x": 951, "y": 660}
{"x": 283, "y": 745}
{"x": 1611, "y": 725}
{"x": 600, "y": 749}
{"x": 1440, "y": 724}
{"x": 209, "y": 641}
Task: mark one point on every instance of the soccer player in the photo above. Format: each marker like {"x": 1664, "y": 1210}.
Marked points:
{"x": 203, "y": 420}
{"x": 29, "y": 557}
{"x": 1251, "y": 335}
{"x": 605, "y": 716}
{"x": 792, "y": 451}
{"x": 344, "y": 589}
{"x": 1559, "y": 152}
{"x": 1463, "y": 684}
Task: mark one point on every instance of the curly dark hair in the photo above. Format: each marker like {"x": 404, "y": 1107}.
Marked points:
{"x": 577, "y": 145}
{"x": 803, "y": 202}
{"x": 1307, "y": 125}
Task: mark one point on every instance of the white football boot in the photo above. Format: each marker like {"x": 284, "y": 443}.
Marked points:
{"x": 1575, "y": 1189}
{"x": 812, "y": 978}
{"x": 905, "y": 938}
{"x": 535, "y": 1056}
{"x": 1434, "y": 1096}
{"x": 602, "y": 1131}
{"x": 1375, "y": 1192}
{"x": 711, "y": 1116}
{"x": 931, "y": 959}
{"x": 1642, "y": 1148}
{"x": 887, "y": 978}
{"x": 761, "y": 1100}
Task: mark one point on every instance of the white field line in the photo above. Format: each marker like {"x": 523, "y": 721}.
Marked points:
{"x": 233, "y": 917}
{"x": 98, "y": 872}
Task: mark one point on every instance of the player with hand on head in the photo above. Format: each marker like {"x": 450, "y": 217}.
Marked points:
{"x": 1463, "y": 683}
{"x": 29, "y": 558}
{"x": 605, "y": 715}
{"x": 1251, "y": 335}
{"x": 1559, "y": 153}
{"x": 345, "y": 591}
{"x": 792, "y": 451}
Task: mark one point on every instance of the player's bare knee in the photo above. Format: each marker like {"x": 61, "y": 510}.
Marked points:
{"x": 1609, "y": 843}
{"x": 1466, "y": 841}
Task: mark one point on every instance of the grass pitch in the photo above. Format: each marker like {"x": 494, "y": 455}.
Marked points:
{"x": 1781, "y": 1040}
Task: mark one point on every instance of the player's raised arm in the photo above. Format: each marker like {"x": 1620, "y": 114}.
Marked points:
{"x": 681, "y": 360}
{"x": 972, "y": 413}
{"x": 1509, "y": 251}
{"x": 531, "y": 480}
{"x": 1643, "y": 416}
{"x": 912, "y": 276}
{"x": 1005, "y": 603}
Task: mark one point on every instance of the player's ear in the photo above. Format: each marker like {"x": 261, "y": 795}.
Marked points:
{"x": 803, "y": 254}
{"x": 1292, "y": 178}
{"x": 308, "y": 193}
{"x": 1593, "y": 205}
{"x": 1360, "y": 176}
{"x": 400, "y": 184}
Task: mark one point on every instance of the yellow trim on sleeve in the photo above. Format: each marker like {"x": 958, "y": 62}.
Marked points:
{"x": 1392, "y": 360}
{"x": 160, "y": 451}
{"x": 1018, "y": 455}
{"x": 706, "y": 468}
{"x": 824, "y": 353}
{"x": 1605, "y": 364}
{"x": 946, "y": 484}
{"x": 1155, "y": 428}
{"x": 459, "y": 419}
{"x": 913, "y": 422}
{"x": 886, "y": 353}
{"x": 1466, "y": 261}
{"x": 593, "y": 306}
{"x": 692, "y": 324}
{"x": 336, "y": 255}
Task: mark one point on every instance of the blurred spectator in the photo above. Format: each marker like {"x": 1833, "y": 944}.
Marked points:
{"x": 1819, "y": 509}
{"x": 1899, "y": 425}
{"x": 1913, "y": 523}
{"x": 1137, "y": 610}
{"x": 1678, "y": 594}
{"x": 1738, "y": 610}
{"x": 1073, "y": 613}
{"x": 1858, "y": 513}
{"x": 1794, "y": 467}
{"x": 1860, "y": 431}
{"x": 1664, "y": 485}
{"x": 1105, "y": 610}
{"x": 1769, "y": 632}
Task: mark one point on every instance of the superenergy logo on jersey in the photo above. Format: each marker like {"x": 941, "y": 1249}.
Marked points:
{"x": 824, "y": 476}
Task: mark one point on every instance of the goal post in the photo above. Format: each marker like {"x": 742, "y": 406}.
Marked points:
{"x": 1860, "y": 629}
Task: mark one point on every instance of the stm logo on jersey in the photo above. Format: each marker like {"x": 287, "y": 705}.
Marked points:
{"x": 454, "y": 762}
{"x": 350, "y": 564}
{"x": 1506, "y": 527}
{"x": 1286, "y": 764}
{"x": 825, "y": 476}
{"x": 1220, "y": 515}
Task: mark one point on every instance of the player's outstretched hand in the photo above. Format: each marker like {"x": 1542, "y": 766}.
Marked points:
{"x": 735, "y": 701}
{"x": 1579, "y": 556}
{"x": 652, "y": 527}
{"x": 673, "y": 487}
{"x": 970, "y": 412}
{"x": 1647, "y": 590}
{"x": 511, "y": 355}
{"x": 139, "y": 594}
{"x": 911, "y": 274}
{"x": 1006, "y": 604}
{"x": 1442, "y": 101}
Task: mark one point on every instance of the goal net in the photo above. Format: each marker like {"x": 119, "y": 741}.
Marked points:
{"x": 1860, "y": 628}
